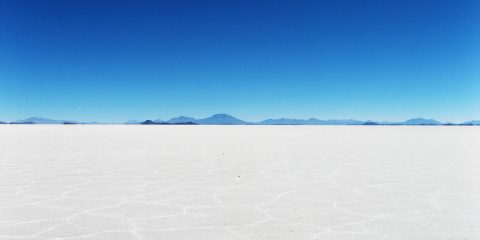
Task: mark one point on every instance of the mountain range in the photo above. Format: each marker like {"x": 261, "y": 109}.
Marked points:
{"x": 182, "y": 119}
{"x": 473, "y": 122}
{"x": 217, "y": 119}
{"x": 421, "y": 121}
{"x": 39, "y": 120}
{"x": 221, "y": 119}
{"x": 225, "y": 119}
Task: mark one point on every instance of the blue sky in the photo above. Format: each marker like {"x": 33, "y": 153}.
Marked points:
{"x": 119, "y": 60}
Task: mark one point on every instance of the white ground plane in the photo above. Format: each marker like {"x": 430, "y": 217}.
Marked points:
{"x": 239, "y": 182}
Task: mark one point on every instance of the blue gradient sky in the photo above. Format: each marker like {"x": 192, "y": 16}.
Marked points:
{"x": 120, "y": 60}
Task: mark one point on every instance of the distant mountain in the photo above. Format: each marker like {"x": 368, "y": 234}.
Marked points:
{"x": 2, "y": 122}
{"x": 221, "y": 119}
{"x": 182, "y": 119}
{"x": 314, "y": 121}
{"x": 39, "y": 120}
{"x": 184, "y": 123}
{"x": 22, "y": 123}
{"x": 421, "y": 121}
{"x": 150, "y": 122}
{"x": 225, "y": 119}
{"x": 473, "y": 122}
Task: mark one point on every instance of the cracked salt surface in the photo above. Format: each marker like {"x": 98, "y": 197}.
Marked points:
{"x": 239, "y": 182}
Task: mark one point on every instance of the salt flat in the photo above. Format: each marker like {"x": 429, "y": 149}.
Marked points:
{"x": 239, "y": 182}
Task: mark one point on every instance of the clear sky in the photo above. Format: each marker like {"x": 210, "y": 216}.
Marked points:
{"x": 118, "y": 60}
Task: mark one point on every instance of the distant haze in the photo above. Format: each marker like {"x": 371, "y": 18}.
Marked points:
{"x": 225, "y": 119}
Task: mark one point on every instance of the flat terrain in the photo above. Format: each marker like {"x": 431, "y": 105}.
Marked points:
{"x": 239, "y": 182}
